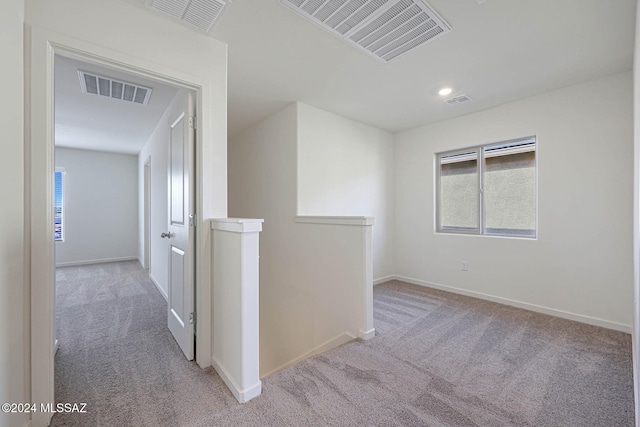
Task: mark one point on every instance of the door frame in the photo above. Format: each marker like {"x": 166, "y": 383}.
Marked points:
{"x": 146, "y": 252}
{"x": 41, "y": 47}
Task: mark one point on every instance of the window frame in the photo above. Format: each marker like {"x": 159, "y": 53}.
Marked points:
{"x": 62, "y": 173}
{"x": 480, "y": 172}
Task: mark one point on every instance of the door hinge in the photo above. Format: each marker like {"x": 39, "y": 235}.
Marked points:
{"x": 192, "y": 220}
{"x": 192, "y": 318}
{"x": 193, "y": 122}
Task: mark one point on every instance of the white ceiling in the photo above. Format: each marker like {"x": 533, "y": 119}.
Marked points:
{"x": 95, "y": 122}
{"x": 497, "y": 52}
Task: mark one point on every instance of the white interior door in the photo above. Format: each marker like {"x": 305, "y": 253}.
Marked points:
{"x": 181, "y": 298}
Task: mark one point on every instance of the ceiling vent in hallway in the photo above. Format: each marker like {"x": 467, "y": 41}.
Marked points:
{"x": 105, "y": 86}
{"x": 384, "y": 29}
{"x": 201, "y": 14}
{"x": 457, "y": 100}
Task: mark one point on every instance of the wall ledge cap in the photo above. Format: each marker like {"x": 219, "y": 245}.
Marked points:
{"x": 237, "y": 225}
{"x": 335, "y": 220}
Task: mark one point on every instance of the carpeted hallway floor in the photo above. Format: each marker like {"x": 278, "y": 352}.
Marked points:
{"x": 438, "y": 359}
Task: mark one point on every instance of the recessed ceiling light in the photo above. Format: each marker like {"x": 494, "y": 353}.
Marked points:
{"x": 445, "y": 91}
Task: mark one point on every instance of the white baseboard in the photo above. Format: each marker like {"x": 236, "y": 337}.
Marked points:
{"x": 527, "y": 306}
{"x": 162, "y": 292}
{"x": 39, "y": 419}
{"x": 94, "y": 261}
{"x": 383, "y": 279}
{"x": 241, "y": 395}
{"x": 367, "y": 335}
{"x": 332, "y": 343}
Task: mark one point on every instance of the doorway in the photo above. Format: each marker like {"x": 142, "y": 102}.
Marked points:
{"x": 45, "y": 46}
{"x": 106, "y": 123}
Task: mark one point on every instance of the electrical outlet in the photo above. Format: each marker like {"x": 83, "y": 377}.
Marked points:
{"x": 465, "y": 266}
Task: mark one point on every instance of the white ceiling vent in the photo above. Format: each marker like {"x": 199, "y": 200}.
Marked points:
{"x": 457, "y": 100}
{"x": 201, "y": 14}
{"x": 105, "y": 86}
{"x": 384, "y": 29}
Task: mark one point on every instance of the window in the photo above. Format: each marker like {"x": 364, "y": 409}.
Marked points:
{"x": 490, "y": 189}
{"x": 58, "y": 205}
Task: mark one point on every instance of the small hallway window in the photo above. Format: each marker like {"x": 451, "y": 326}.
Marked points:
{"x": 58, "y": 205}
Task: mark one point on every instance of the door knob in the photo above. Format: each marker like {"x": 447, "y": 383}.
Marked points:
{"x": 167, "y": 235}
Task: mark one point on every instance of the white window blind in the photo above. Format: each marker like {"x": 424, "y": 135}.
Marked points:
{"x": 490, "y": 189}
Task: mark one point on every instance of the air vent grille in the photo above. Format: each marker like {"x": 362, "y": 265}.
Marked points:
{"x": 384, "y": 29}
{"x": 457, "y": 100}
{"x": 107, "y": 87}
{"x": 201, "y": 14}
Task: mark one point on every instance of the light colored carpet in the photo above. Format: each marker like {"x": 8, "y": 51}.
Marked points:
{"x": 438, "y": 359}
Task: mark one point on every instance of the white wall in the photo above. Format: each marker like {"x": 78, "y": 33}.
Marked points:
{"x": 13, "y": 292}
{"x": 264, "y": 158}
{"x": 346, "y": 168}
{"x": 309, "y": 273}
{"x": 100, "y": 192}
{"x": 262, "y": 184}
{"x": 581, "y": 264}
{"x": 157, "y": 151}
{"x": 636, "y": 219}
